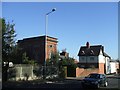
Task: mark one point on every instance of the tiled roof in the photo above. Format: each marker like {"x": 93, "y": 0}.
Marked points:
{"x": 104, "y": 54}
{"x": 91, "y": 51}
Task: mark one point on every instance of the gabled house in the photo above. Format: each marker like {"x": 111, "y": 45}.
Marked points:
{"x": 114, "y": 65}
{"x": 94, "y": 57}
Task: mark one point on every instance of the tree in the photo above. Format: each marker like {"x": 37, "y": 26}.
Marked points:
{"x": 68, "y": 62}
{"x": 8, "y": 40}
{"x": 61, "y": 63}
{"x": 16, "y": 55}
{"x": 54, "y": 60}
{"x": 26, "y": 60}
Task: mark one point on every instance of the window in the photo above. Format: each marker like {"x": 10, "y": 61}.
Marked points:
{"x": 91, "y": 52}
{"x": 82, "y": 58}
{"x": 82, "y": 52}
{"x": 50, "y": 46}
{"x": 91, "y": 58}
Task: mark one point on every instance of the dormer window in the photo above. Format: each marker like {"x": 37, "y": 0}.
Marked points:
{"x": 83, "y": 52}
{"x": 91, "y": 52}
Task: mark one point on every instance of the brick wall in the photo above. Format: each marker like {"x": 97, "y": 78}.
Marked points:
{"x": 51, "y": 48}
{"x": 81, "y": 72}
{"x": 35, "y": 47}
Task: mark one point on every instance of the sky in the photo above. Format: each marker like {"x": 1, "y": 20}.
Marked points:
{"x": 60, "y": 0}
{"x": 73, "y": 23}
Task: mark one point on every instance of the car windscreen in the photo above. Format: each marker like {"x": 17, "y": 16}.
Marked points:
{"x": 94, "y": 76}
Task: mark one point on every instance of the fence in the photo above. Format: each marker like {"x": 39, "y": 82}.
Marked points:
{"x": 30, "y": 72}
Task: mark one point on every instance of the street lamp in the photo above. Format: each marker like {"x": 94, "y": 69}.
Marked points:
{"x": 46, "y": 25}
{"x": 46, "y": 20}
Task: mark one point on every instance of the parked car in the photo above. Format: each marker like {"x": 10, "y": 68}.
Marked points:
{"x": 95, "y": 80}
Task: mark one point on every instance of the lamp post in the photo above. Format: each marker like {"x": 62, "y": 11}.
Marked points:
{"x": 46, "y": 25}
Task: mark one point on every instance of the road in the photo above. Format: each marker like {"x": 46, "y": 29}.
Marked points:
{"x": 113, "y": 83}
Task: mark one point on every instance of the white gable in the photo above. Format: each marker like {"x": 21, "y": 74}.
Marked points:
{"x": 101, "y": 57}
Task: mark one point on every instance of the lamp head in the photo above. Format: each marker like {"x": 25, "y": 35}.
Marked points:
{"x": 54, "y": 9}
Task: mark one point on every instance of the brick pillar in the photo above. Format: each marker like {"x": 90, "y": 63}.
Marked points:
{"x": 101, "y": 68}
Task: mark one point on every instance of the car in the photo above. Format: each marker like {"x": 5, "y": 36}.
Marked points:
{"x": 95, "y": 80}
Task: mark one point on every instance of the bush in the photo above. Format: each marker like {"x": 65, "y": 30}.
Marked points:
{"x": 12, "y": 73}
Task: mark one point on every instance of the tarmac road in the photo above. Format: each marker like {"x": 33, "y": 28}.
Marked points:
{"x": 113, "y": 84}
{"x": 113, "y": 81}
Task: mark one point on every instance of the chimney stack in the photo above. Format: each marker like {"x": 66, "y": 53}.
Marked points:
{"x": 87, "y": 45}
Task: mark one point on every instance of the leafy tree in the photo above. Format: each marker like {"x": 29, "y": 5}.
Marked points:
{"x": 60, "y": 63}
{"x": 69, "y": 62}
{"x": 8, "y": 40}
{"x": 16, "y": 55}
{"x": 26, "y": 59}
{"x": 8, "y": 43}
{"x": 66, "y": 62}
{"x": 54, "y": 60}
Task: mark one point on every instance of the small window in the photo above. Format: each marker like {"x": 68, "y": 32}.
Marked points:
{"x": 91, "y": 58}
{"x": 91, "y": 52}
{"x": 83, "y": 58}
{"x": 50, "y": 46}
{"x": 83, "y": 52}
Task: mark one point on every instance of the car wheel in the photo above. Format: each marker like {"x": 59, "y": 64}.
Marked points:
{"x": 106, "y": 84}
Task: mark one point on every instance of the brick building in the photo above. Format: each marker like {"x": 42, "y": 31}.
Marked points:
{"x": 94, "y": 57}
{"x": 35, "y": 47}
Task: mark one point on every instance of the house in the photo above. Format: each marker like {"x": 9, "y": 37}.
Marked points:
{"x": 64, "y": 54}
{"x": 94, "y": 57}
{"x": 114, "y": 66}
{"x": 35, "y": 47}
